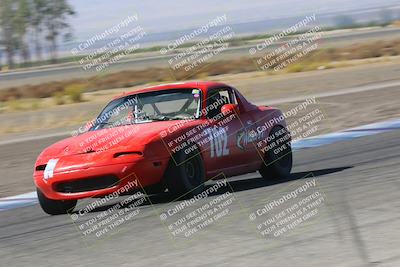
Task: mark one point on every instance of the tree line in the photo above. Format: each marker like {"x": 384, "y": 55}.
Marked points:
{"x": 28, "y": 25}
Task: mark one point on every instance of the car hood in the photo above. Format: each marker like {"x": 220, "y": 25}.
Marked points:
{"x": 134, "y": 136}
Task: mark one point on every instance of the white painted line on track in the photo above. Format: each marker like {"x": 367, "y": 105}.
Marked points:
{"x": 349, "y": 134}
{"x": 18, "y": 201}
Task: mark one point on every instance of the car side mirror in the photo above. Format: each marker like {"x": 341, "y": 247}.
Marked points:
{"x": 228, "y": 109}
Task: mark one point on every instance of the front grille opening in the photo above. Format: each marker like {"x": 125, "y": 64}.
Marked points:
{"x": 87, "y": 184}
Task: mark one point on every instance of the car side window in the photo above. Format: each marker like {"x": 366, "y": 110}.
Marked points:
{"x": 216, "y": 99}
{"x": 228, "y": 94}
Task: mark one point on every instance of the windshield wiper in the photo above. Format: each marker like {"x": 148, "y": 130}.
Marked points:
{"x": 159, "y": 118}
{"x": 181, "y": 118}
{"x": 99, "y": 125}
{"x": 166, "y": 118}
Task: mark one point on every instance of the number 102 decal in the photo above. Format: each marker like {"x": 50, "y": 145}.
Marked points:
{"x": 218, "y": 142}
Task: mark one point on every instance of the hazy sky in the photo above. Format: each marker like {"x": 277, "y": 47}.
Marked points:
{"x": 159, "y": 16}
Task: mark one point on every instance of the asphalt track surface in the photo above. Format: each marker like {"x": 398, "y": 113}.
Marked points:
{"x": 359, "y": 222}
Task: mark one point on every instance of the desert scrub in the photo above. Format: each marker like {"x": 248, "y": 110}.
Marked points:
{"x": 14, "y": 104}
{"x": 74, "y": 92}
{"x": 58, "y": 98}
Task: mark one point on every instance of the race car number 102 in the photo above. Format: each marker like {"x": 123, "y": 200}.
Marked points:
{"x": 218, "y": 142}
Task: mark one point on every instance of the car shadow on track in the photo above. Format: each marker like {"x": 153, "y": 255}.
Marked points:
{"x": 234, "y": 185}
{"x": 258, "y": 182}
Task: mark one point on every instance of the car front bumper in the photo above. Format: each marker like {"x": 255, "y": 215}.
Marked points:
{"x": 99, "y": 181}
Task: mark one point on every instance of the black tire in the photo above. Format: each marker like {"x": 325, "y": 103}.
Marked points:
{"x": 278, "y": 164}
{"x": 185, "y": 174}
{"x": 55, "y": 207}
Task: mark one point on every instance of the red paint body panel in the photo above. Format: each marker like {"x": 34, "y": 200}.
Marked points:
{"x": 149, "y": 152}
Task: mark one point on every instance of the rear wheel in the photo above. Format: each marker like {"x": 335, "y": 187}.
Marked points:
{"x": 55, "y": 207}
{"x": 185, "y": 174}
{"x": 278, "y": 158}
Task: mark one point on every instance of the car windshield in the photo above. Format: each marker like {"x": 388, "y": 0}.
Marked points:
{"x": 175, "y": 104}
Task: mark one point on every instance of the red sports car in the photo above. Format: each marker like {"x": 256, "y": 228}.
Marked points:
{"x": 169, "y": 137}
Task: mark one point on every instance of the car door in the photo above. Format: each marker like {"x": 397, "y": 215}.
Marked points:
{"x": 229, "y": 150}
{"x": 246, "y": 138}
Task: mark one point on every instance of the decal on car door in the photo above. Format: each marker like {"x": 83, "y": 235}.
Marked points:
{"x": 218, "y": 141}
{"x": 248, "y": 136}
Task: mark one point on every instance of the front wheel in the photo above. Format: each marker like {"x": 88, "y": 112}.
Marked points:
{"x": 278, "y": 158}
{"x": 185, "y": 174}
{"x": 55, "y": 207}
